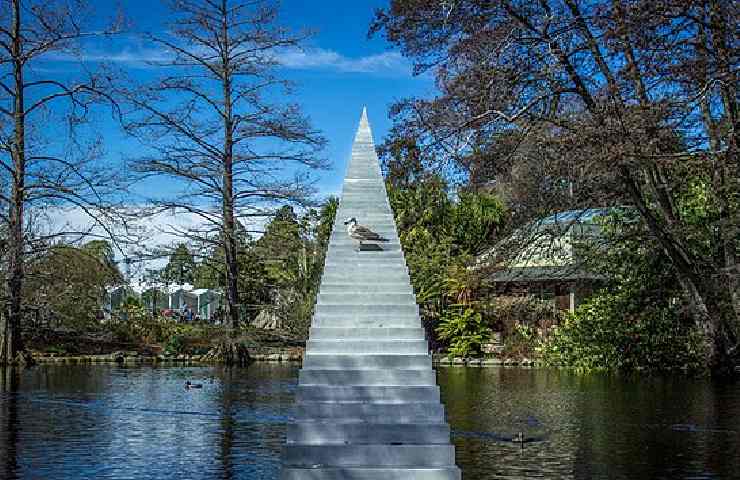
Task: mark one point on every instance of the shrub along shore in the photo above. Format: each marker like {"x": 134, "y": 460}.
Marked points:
{"x": 163, "y": 342}
{"x": 288, "y": 354}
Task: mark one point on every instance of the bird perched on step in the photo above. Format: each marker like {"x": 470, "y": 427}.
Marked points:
{"x": 361, "y": 233}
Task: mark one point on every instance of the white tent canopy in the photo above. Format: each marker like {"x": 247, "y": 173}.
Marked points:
{"x": 202, "y": 302}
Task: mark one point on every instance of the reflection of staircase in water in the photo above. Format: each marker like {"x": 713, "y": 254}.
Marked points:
{"x": 367, "y": 404}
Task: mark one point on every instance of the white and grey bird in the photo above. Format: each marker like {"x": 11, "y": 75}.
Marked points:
{"x": 361, "y": 233}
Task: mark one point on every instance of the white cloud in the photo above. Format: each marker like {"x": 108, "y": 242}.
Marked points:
{"x": 139, "y": 54}
{"x": 128, "y": 56}
{"x": 319, "y": 58}
{"x": 132, "y": 56}
{"x": 142, "y": 237}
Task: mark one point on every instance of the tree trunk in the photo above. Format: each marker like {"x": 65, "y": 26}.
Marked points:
{"x": 232, "y": 268}
{"x": 11, "y": 341}
{"x": 229, "y": 222}
{"x": 4, "y": 337}
{"x": 11, "y": 425}
{"x": 723, "y": 248}
{"x": 727, "y": 161}
{"x": 593, "y": 47}
{"x": 704, "y": 291}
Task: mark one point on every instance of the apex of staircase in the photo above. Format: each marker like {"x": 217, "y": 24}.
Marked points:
{"x": 364, "y": 132}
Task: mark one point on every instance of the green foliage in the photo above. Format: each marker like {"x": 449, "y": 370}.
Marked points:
{"x": 132, "y": 304}
{"x": 522, "y": 341}
{"x": 316, "y": 230}
{"x": 439, "y": 234}
{"x": 604, "y": 334}
{"x": 281, "y": 270}
{"x": 475, "y": 218}
{"x": 70, "y": 282}
{"x": 427, "y": 258}
{"x": 175, "y": 337}
{"x": 252, "y": 280}
{"x": 402, "y": 162}
{"x": 463, "y": 326}
{"x": 131, "y": 311}
{"x": 56, "y": 349}
{"x": 510, "y": 313}
{"x": 102, "y": 251}
{"x": 181, "y": 267}
{"x": 281, "y": 249}
{"x": 290, "y": 257}
{"x": 464, "y": 329}
{"x": 637, "y": 321}
{"x": 175, "y": 345}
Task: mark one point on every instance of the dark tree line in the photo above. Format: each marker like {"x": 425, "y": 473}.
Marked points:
{"x": 562, "y": 104}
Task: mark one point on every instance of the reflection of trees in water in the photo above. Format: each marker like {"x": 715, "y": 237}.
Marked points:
{"x": 108, "y": 421}
{"x": 227, "y": 424}
{"x": 722, "y": 411}
{"x": 9, "y": 381}
{"x": 644, "y": 427}
{"x": 488, "y": 407}
{"x": 70, "y": 422}
{"x": 252, "y": 400}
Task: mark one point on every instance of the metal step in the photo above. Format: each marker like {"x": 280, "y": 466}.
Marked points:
{"x": 366, "y": 298}
{"x": 371, "y": 361}
{"x": 383, "y": 394}
{"x": 367, "y": 346}
{"x": 360, "y": 278}
{"x": 336, "y": 333}
{"x": 375, "y": 287}
{"x": 378, "y": 455}
{"x": 370, "y": 412}
{"x": 365, "y": 321}
{"x": 318, "y": 433}
{"x": 375, "y": 309}
{"x": 412, "y": 472}
{"x": 367, "y": 377}
{"x": 365, "y": 269}
{"x": 355, "y": 262}
{"x": 368, "y": 250}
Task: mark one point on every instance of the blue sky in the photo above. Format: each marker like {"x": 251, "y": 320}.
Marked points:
{"x": 339, "y": 71}
{"x": 367, "y": 72}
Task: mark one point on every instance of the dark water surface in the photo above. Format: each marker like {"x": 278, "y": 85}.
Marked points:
{"x": 113, "y": 422}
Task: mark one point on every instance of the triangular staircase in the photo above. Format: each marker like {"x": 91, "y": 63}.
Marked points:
{"x": 367, "y": 404}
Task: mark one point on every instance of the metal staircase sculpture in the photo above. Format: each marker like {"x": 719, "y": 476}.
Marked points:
{"x": 367, "y": 403}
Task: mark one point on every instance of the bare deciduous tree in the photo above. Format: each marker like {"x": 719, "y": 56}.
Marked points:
{"x": 226, "y": 149}
{"x": 43, "y": 160}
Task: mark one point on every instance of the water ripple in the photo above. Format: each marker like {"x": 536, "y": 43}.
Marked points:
{"x": 109, "y": 422}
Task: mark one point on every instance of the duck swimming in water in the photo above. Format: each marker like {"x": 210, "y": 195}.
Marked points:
{"x": 520, "y": 439}
{"x": 189, "y": 385}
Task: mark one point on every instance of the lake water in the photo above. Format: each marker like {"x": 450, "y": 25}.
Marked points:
{"x": 110, "y": 422}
